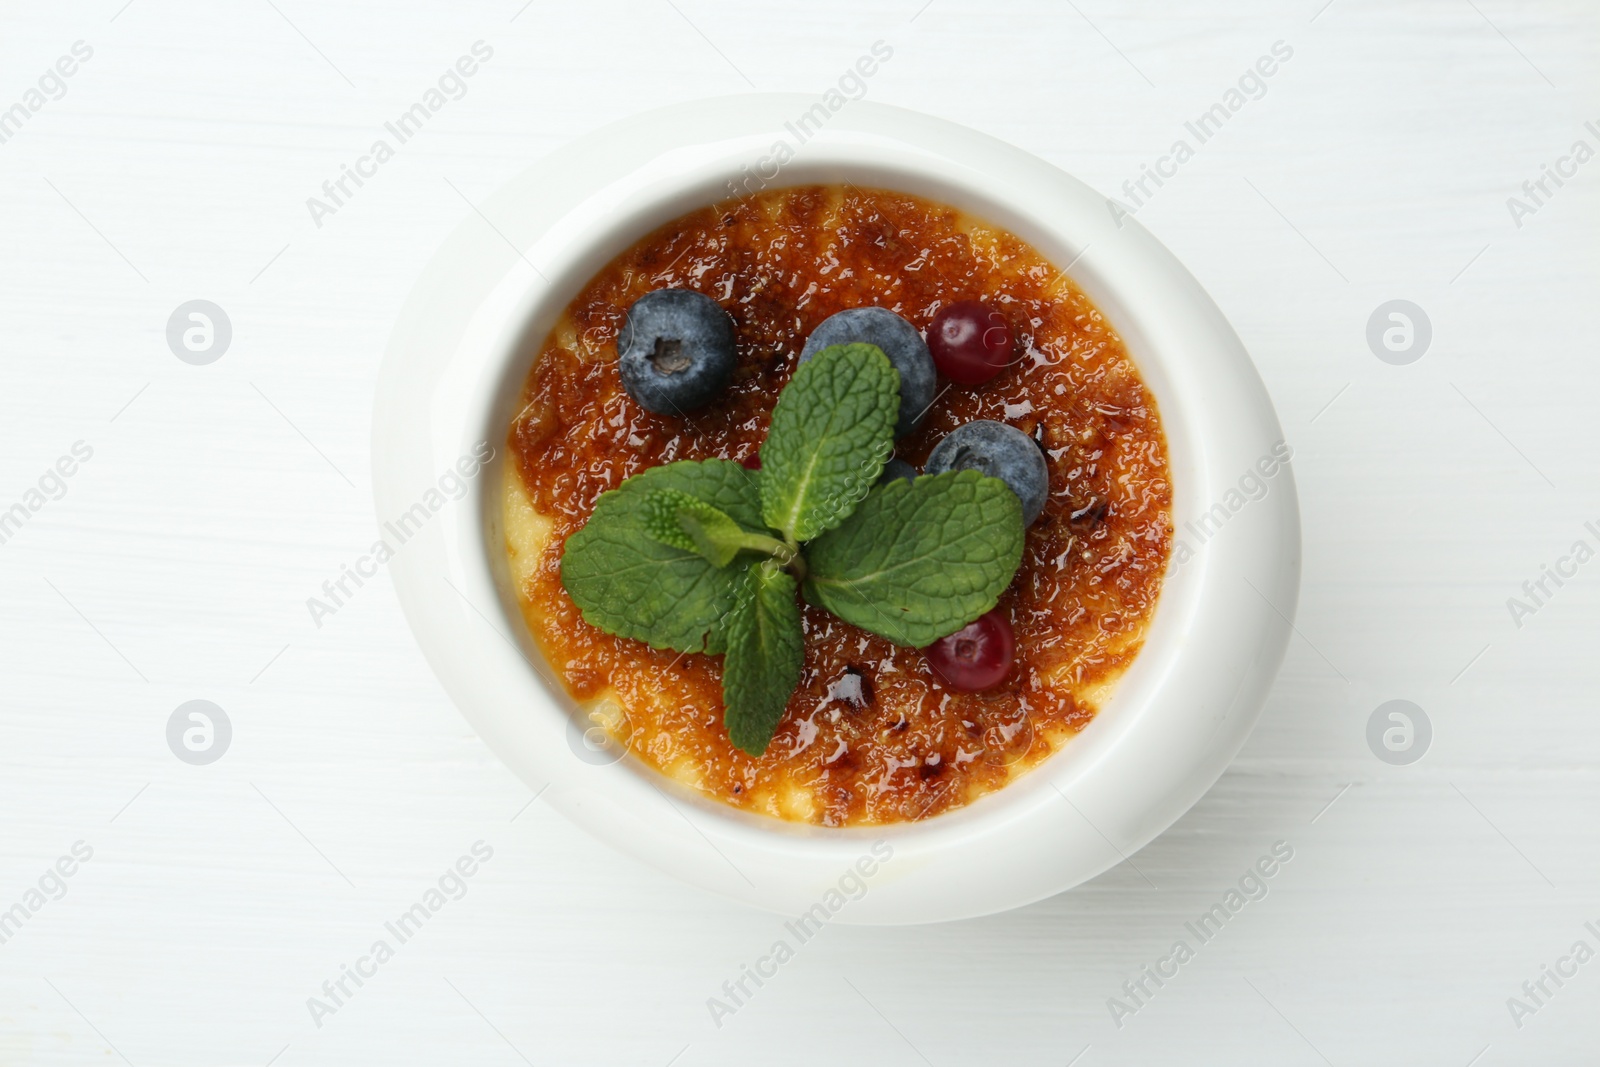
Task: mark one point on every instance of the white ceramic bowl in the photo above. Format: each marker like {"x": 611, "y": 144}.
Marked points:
{"x": 451, "y": 379}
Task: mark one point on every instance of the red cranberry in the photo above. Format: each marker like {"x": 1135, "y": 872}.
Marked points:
{"x": 970, "y": 342}
{"x": 752, "y": 462}
{"x": 977, "y": 656}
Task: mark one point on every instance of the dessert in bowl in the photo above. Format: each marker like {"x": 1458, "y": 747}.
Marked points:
{"x": 1139, "y": 657}
{"x": 989, "y": 340}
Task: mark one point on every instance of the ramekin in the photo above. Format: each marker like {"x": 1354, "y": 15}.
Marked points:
{"x": 450, "y": 383}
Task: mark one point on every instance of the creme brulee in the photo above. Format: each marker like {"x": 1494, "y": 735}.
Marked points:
{"x": 871, "y": 735}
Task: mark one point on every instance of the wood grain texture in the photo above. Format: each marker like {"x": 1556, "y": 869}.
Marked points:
{"x": 176, "y": 566}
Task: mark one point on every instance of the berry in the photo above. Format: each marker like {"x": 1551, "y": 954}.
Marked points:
{"x": 675, "y": 351}
{"x": 899, "y": 340}
{"x": 977, "y": 656}
{"x": 999, "y": 451}
{"x": 897, "y": 468}
{"x": 970, "y": 342}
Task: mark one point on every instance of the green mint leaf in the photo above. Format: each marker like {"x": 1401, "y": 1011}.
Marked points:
{"x": 766, "y": 650}
{"x": 628, "y": 583}
{"x": 715, "y": 536}
{"x": 675, "y": 518}
{"x": 832, "y": 430}
{"x": 919, "y": 560}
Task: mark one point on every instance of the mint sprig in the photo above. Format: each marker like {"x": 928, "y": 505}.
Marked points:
{"x": 706, "y": 556}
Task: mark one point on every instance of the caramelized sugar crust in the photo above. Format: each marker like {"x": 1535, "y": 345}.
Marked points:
{"x": 871, "y": 735}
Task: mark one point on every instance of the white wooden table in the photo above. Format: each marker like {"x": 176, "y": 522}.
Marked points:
{"x": 177, "y": 561}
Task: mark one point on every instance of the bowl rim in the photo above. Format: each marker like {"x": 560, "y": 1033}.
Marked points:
{"x": 455, "y": 367}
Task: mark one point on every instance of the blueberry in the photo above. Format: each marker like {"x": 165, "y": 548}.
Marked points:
{"x": 675, "y": 351}
{"x": 897, "y": 468}
{"x": 900, "y": 341}
{"x": 999, "y": 451}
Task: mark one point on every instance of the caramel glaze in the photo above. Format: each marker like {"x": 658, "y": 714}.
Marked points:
{"x": 871, "y": 735}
